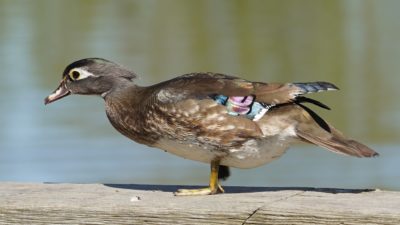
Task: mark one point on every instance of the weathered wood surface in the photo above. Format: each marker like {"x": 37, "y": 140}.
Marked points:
{"x": 23, "y": 203}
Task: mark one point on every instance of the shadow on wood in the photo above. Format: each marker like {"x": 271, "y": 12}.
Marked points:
{"x": 235, "y": 189}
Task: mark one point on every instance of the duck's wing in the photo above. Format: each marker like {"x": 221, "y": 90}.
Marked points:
{"x": 204, "y": 85}
{"x": 214, "y": 102}
{"x": 310, "y": 128}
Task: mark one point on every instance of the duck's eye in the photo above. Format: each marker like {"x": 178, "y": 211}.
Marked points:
{"x": 79, "y": 74}
{"x": 75, "y": 75}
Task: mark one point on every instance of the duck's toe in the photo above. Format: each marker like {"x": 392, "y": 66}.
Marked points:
{"x": 200, "y": 191}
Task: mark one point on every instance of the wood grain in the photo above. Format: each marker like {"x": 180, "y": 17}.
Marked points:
{"x": 36, "y": 203}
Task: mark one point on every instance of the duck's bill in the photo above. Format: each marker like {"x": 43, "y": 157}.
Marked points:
{"x": 59, "y": 93}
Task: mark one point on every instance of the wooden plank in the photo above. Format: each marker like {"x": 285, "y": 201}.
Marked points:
{"x": 33, "y": 203}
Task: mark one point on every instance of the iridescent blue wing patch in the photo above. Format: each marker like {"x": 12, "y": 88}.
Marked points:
{"x": 243, "y": 105}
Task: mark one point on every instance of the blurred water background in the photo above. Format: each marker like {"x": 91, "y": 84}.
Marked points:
{"x": 352, "y": 43}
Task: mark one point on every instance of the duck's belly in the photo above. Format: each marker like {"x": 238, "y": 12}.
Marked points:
{"x": 252, "y": 153}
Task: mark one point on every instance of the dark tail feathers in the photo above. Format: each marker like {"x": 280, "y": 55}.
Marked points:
{"x": 312, "y": 87}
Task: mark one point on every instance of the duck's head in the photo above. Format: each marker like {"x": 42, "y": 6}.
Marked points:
{"x": 91, "y": 76}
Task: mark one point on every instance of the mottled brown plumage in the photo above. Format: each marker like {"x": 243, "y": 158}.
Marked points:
{"x": 189, "y": 116}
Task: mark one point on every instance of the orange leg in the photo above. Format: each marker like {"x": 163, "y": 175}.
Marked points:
{"x": 214, "y": 187}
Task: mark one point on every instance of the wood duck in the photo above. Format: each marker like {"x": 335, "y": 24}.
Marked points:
{"x": 214, "y": 118}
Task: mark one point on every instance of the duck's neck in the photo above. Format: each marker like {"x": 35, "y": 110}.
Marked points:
{"x": 117, "y": 86}
{"x": 127, "y": 108}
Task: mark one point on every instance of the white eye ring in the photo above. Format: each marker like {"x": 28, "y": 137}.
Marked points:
{"x": 79, "y": 74}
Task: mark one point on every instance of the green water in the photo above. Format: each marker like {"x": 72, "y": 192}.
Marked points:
{"x": 352, "y": 43}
